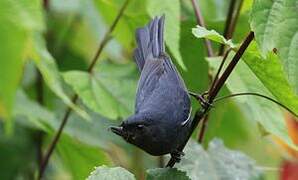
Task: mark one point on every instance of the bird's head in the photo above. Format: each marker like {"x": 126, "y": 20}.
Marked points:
{"x": 133, "y": 130}
{"x": 141, "y": 132}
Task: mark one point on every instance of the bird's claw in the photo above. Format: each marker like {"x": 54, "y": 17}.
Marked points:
{"x": 177, "y": 155}
{"x": 202, "y": 99}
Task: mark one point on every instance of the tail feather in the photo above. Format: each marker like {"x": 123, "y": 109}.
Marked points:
{"x": 150, "y": 41}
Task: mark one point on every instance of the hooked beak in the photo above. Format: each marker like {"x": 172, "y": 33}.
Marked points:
{"x": 117, "y": 130}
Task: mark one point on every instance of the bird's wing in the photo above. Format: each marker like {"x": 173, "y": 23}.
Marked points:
{"x": 161, "y": 75}
{"x": 149, "y": 81}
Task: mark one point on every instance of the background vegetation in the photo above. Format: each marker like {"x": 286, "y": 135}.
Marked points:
{"x": 71, "y": 61}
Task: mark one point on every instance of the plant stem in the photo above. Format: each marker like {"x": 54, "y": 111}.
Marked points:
{"x": 210, "y": 53}
{"x": 46, "y": 4}
{"x": 234, "y": 20}
{"x": 227, "y": 25}
{"x": 200, "y": 21}
{"x": 259, "y": 95}
{"x": 206, "y": 118}
{"x": 203, "y": 129}
{"x": 40, "y": 100}
{"x": 219, "y": 69}
{"x": 231, "y": 66}
{"x": 74, "y": 99}
{"x": 231, "y": 21}
{"x": 203, "y": 111}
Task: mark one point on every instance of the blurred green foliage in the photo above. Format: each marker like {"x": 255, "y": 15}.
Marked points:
{"x": 45, "y": 52}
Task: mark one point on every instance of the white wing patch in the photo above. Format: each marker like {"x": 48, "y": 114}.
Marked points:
{"x": 187, "y": 119}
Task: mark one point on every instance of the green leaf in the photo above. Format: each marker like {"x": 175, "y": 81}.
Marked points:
{"x": 269, "y": 71}
{"x": 218, "y": 162}
{"x": 109, "y": 91}
{"x": 19, "y": 19}
{"x": 30, "y": 111}
{"x": 51, "y": 75}
{"x": 268, "y": 114}
{"x": 166, "y": 173}
{"x": 275, "y": 24}
{"x": 18, "y": 154}
{"x": 171, "y": 9}
{"x": 94, "y": 133}
{"x": 202, "y": 32}
{"x": 106, "y": 173}
{"x": 79, "y": 158}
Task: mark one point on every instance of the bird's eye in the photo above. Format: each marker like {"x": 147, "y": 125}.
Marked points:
{"x": 140, "y": 126}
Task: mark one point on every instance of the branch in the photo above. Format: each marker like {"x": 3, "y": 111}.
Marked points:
{"x": 203, "y": 111}
{"x": 235, "y": 19}
{"x": 40, "y": 99}
{"x": 227, "y": 25}
{"x": 231, "y": 66}
{"x": 219, "y": 69}
{"x": 259, "y": 95}
{"x": 230, "y": 23}
{"x": 74, "y": 99}
{"x": 201, "y": 22}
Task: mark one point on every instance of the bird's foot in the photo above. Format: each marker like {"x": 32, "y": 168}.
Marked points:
{"x": 177, "y": 155}
{"x": 202, "y": 99}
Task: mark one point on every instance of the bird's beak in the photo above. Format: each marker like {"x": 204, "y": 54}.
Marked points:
{"x": 117, "y": 130}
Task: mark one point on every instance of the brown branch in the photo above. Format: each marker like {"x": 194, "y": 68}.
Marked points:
{"x": 203, "y": 129}
{"x": 46, "y": 4}
{"x": 201, "y": 22}
{"x": 231, "y": 21}
{"x": 39, "y": 133}
{"x": 231, "y": 66}
{"x": 227, "y": 25}
{"x": 210, "y": 53}
{"x": 235, "y": 20}
{"x": 74, "y": 99}
{"x": 219, "y": 69}
{"x": 203, "y": 111}
{"x": 206, "y": 118}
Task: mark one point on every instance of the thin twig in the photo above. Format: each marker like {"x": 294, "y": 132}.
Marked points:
{"x": 74, "y": 99}
{"x": 46, "y": 4}
{"x": 206, "y": 118}
{"x": 231, "y": 22}
{"x": 201, "y": 22}
{"x": 256, "y": 94}
{"x": 219, "y": 69}
{"x": 210, "y": 52}
{"x": 227, "y": 25}
{"x": 235, "y": 20}
{"x": 203, "y": 128}
{"x": 203, "y": 111}
{"x": 40, "y": 99}
{"x": 231, "y": 66}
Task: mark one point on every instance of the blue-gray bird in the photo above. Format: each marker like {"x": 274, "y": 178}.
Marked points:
{"x": 162, "y": 110}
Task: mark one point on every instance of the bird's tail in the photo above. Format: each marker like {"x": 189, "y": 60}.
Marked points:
{"x": 150, "y": 41}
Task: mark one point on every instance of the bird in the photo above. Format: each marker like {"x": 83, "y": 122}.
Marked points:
{"x": 162, "y": 116}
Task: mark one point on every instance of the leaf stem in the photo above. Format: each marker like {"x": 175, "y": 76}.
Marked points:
{"x": 103, "y": 43}
{"x": 230, "y": 23}
{"x": 40, "y": 100}
{"x": 256, "y": 94}
{"x": 231, "y": 66}
{"x": 227, "y": 25}
{"x": 219, "y": 69}
{"x": 201, "y": 22}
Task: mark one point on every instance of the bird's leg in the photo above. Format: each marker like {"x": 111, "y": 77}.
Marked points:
{"x": 201, "y": 98}
{"x": 176, "y": 155}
